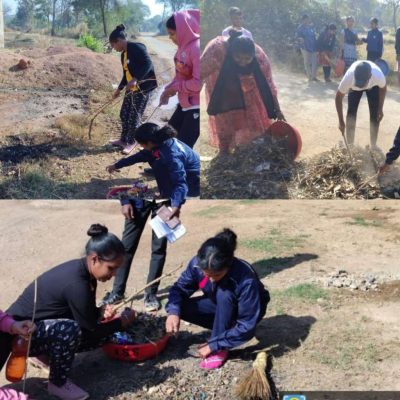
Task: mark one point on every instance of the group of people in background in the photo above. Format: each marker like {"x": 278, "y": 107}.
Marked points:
{"x": 67, "y": 321}
{"x": 324, "y": 49}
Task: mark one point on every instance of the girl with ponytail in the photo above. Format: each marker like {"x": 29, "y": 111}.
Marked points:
{"x": 176, "y": 169}
{"x": 67, "y": 319}
{"x": 138, "y": 80}
{"x": 234, "y": 300}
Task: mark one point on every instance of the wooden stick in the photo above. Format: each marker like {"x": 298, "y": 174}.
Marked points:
{"x": 97, "y": 113}
{"x": 129, "y": 299}
{"x": 347, "y": 147}
{"x": 30, "y": 337}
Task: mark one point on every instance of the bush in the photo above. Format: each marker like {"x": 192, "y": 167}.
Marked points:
{"x": 76, "y": 32}
{"x": 91, "y": 43}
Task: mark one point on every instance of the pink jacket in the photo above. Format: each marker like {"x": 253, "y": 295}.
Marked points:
{"x": 8, "y": 394}
{"x": 187, "y": 59}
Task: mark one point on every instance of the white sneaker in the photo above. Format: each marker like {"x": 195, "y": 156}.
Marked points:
{"x": 69, "y": 391}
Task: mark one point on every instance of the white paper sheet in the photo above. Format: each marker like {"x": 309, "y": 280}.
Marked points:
{"x": 161, "y": 229}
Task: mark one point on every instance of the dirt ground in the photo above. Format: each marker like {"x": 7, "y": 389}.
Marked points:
{"x": 45, "y": 113}
{"x": 319, "y": 338}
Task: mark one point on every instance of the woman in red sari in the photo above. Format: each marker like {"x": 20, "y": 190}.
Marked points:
{"x": 240, "y": 92}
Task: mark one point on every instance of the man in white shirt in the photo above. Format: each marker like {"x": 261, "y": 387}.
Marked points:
{"x": 362, "y": 76}
{"x": 237, "y": 21}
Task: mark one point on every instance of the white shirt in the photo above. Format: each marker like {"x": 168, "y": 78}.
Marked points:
{"x": 348, "y": 81}
{"x": 245, "y": 32}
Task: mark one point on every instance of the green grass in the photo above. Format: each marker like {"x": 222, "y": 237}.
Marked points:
{"x": 360, "y": 221}
{"x": 213, "y": 211}
{"x": 307, "y": 292}
{"x": 275, "y": 242}
{"x": 34, "y": 182}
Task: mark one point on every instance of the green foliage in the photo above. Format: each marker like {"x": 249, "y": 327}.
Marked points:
{"x": 305, "y": 291}
{"x": 91, "y": 43}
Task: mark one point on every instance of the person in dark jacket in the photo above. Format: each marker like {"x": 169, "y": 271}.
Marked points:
{"x": 234, "y": 299}
{"x": 392, "y": 155}
{"x": 397, "y": 47}
{"x": 138, "y": 80}
{"x": 67, "y": 319}
{"x": 325, "y": 45}
{"x": 177, "y": 172}
{"x": 374, "y": 41}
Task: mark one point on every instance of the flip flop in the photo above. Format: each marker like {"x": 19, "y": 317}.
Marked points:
{"x": 215, "y": 360}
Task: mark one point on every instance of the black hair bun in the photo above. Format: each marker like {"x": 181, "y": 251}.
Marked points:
{"x": 229, "y": 237}
{"x": 97, "y": 230}
{"x": 120, "y": 28}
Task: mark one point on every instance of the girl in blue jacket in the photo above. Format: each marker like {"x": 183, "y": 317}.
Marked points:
{"x": 177, "y": 172}
{"x": 234, "y": 299}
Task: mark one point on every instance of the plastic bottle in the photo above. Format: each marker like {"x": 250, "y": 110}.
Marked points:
{"x": 16, "y": 364}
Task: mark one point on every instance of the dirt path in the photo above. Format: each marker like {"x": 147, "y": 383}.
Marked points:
{"x": 327, "y": 339}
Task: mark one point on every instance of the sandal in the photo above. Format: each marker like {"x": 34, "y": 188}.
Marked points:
{"x": 215, "y": 360}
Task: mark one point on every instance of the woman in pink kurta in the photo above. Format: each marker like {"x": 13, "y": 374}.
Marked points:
{"x": 239, "y": 126}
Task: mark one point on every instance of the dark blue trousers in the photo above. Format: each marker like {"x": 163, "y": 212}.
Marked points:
{"x": 218, "y": 316}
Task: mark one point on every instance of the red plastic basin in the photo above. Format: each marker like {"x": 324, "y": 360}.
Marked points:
{"x": 281, "y": 129}
{"x": 135, "y": 352}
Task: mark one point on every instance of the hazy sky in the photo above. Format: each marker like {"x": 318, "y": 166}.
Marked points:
{"x": 154, "y": 8}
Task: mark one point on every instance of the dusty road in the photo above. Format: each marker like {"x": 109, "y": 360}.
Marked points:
{"x": 320, "y": 338}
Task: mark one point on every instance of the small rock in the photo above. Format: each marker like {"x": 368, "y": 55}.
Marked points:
{"x": 152, "y": 389}
{"x": 353, "y": 286}
{"x": 337, "y": 284}
{"x": 170, "y": 391}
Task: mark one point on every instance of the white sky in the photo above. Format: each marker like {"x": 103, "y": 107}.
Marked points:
{"x": 154, "y": 8}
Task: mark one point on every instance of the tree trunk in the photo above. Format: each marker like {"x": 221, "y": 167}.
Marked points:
{"x": 103, "y": 16}
{"x": 395, "y": 9}
{"x": 53, "y": 22}
{"x": 1, "y": 25}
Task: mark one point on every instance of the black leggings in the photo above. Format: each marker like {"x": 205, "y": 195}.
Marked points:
{"x": 59, "y": 340}
{"x": 373, "y": 104}
{"x": 131, "y": 114}
{"x": 130, "y": 238}
{"x": 187, "y": 124}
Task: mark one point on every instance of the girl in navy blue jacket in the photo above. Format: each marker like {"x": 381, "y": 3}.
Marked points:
{"x": 234, "y": 299}
{"x": 177, "y": 171}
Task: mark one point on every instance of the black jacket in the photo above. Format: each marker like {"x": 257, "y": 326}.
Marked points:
{"x": 397, "y": 44}
{"x": 394, "y": 153}
{"x": 140, "y": 66}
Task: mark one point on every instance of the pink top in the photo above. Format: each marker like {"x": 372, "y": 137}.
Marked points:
{"x": 11, "y": 394}
{"x": 5, "y": 322}
{"x": 187, "y": 59}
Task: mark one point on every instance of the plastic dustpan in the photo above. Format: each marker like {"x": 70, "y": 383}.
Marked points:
{"x": 135, "y": 352}
{"x": 281, "y": 130}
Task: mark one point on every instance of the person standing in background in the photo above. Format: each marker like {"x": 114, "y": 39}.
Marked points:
{"x": 325, "y": 45}
{"x": 138, "y": 80}
{"x": 236, "y": 17}
{"x": 348, "y": 43}
{"x": 184, "y": 30}
{"x": 374, "y": 41}
{"x": 307, "y": 41}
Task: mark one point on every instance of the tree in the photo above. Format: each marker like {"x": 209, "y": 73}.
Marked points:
{"x": 25, "y": 13}
{"x": 176, "y": 5}
{"x": 394, "y": 6}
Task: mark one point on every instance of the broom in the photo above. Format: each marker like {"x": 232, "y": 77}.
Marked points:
{"x": 254, "y": 385}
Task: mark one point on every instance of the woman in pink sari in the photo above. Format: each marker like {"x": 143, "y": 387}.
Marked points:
{"x": 240, "y": 92}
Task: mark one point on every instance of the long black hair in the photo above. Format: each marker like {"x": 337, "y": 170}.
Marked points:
{"x": 217, "y": 253}
{"x": 171, "y": 24}
{"x": 117, "y": 33}
{"x": 150, "y": 132}
{"x": 106, "y": 245}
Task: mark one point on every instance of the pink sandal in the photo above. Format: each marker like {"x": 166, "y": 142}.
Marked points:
{"x": 215, "y": 360}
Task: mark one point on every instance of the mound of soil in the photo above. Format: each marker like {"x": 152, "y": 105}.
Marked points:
{"x": 62, "y": 66}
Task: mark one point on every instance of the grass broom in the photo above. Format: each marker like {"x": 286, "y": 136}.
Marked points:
{"x": 254, "y": 385}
